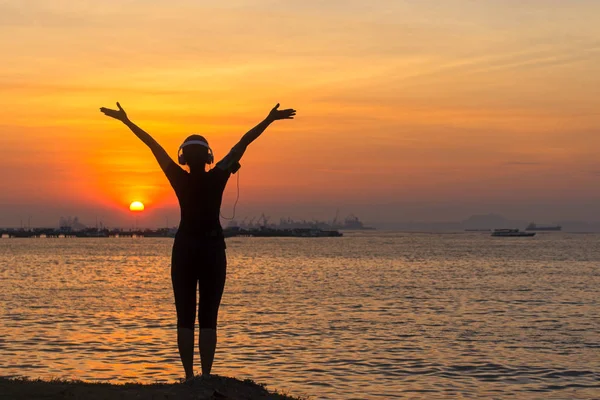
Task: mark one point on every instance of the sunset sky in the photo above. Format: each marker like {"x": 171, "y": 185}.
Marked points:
{"x": 407, "y": 110}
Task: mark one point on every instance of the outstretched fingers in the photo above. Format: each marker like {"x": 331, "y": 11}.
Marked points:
{"x": 289, "y": 113}
{"x": 117, "y": 114}
{"x": 108, "y": 111}
{"x": 276, "y": 114}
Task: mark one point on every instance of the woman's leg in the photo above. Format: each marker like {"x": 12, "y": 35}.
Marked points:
{"x": 185, "y": 345}
{"x": 208, "y": 345}
{"x": 212, "y": 283}
{"x": 184, "y": 282}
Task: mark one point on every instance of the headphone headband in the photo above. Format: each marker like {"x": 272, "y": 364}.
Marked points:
{"x": 181, "y": 158}
{"x": 200, "y": 142}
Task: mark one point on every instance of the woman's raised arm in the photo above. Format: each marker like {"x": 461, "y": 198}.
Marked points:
{"x": 159, "y": 153}
{"x": 238, "y": 150}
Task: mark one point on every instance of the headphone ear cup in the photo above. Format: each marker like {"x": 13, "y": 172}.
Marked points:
{"x": 210, "y": 158}
{"x": 181, "y": 158}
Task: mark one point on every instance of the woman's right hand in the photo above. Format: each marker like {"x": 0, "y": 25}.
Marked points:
{"x": 116, "y": 114}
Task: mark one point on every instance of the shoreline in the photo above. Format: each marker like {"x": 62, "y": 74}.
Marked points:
{"x": 214, "y": 387}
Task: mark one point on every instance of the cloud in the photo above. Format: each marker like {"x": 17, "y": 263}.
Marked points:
{"x": 342, "y": 171}
{"x": 522, "y": 163}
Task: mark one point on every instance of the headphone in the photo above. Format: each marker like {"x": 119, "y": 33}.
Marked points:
{"x": 181, "y": 157}
{"x": 209, "y": 160}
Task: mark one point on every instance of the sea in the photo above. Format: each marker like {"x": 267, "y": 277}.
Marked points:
{"x": 370, "y": 315}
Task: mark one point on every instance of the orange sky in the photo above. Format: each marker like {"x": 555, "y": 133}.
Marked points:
{"x": 404, "y": 107}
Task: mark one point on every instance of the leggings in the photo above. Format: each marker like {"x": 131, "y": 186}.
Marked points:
{"x": 198, "y": 261}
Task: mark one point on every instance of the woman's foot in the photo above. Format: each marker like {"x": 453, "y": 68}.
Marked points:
{"x": 188, "y": 380}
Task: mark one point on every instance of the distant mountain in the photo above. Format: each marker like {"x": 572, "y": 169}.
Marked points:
{"x": 483, "y": 221}
{"x": 491, "y": 221}
{"x": 416, "y": 226}
{"x": 579, "y": 226}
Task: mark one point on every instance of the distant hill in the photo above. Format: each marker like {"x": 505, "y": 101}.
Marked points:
{"x": 491, "y": 221}
{"x": 482, "y": 221}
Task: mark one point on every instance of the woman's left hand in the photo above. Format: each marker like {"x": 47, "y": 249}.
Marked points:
{"x": 116, "y": 114}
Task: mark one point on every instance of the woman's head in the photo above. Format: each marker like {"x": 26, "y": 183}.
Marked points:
{"x": 195, "y": 152}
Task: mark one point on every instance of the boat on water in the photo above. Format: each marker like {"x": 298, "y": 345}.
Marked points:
{"x": 511, "y": 233}
{"x": 534, "y": 227}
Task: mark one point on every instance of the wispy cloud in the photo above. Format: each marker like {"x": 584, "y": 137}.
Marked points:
{"x": 522, "y": 163}
{"x": 342, "y": 171}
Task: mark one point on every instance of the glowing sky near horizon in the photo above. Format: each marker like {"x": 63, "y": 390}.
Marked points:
{"x": 403, "y": 106}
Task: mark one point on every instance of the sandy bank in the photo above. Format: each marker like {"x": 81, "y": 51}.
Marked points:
{"x": 215, "y": 387}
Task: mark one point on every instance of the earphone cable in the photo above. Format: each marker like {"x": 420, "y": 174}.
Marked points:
{"x": 236, "y": 199}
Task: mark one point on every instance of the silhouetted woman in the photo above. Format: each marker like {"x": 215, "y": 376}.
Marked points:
{"x": 199, "y": 247}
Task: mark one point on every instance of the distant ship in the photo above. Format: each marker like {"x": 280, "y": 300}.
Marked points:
{"x": 511, "y": 233}
{"x": 533, "y": 227}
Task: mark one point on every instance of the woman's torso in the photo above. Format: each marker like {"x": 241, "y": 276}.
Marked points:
{"x": 200, "y": 195}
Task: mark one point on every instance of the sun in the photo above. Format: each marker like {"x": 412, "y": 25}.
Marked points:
{"x": 136, "y": 206}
